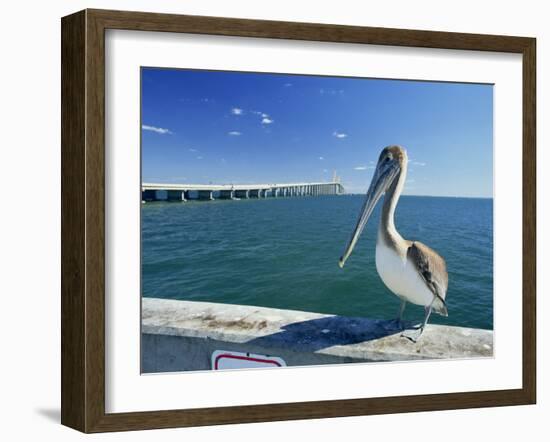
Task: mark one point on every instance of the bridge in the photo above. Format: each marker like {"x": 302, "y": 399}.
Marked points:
{"x": 184, "y": 192}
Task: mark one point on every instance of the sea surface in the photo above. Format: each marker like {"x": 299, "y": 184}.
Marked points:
{"x": 283, "y": 253}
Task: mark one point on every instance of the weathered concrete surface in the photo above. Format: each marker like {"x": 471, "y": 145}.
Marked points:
{"x": 181, "y": 335}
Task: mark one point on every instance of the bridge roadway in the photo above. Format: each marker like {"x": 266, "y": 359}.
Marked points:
{"x": 184, "y": 192}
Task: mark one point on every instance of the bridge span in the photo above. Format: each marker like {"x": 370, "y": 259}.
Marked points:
{"x": 184, "y": 192}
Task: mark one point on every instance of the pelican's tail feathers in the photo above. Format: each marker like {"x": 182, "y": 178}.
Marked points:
{"x": 439, "y": 306}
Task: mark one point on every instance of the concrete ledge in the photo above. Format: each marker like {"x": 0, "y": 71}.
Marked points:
{"x": 181, "y": 335}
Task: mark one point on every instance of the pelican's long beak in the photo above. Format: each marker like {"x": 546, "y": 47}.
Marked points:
{"x": 384, "y": 175}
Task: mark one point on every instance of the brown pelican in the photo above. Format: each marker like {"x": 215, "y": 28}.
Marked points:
{"x": 411, "y": 270}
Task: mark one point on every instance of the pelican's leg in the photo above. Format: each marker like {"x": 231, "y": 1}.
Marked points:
{"x": 399, "y": 319}
{"x": 427, "y": 312}
{"x": 415, "y": 333}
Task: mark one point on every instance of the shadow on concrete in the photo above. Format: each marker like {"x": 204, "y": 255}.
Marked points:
{"x": 317, "y": 334}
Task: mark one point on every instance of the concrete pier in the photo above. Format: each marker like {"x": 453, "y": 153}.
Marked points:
{"x": 182, "y": 335}
{"x": 184, "y": 192}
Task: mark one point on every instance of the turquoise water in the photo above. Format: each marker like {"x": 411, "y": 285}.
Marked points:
{"x": 284, "y": 253}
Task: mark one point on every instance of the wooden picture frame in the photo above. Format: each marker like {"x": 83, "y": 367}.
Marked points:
{"x": 83, "y": 220}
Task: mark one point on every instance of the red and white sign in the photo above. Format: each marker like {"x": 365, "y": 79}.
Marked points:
{"x": 232, "y": 360}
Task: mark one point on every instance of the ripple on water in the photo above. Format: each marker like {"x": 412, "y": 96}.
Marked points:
{"x": 283, "y": 253}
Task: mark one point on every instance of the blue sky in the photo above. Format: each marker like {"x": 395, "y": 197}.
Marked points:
{"x": 233, "y": 127}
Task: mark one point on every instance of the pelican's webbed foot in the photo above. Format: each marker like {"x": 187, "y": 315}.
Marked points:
{"x": 413, "y": 334}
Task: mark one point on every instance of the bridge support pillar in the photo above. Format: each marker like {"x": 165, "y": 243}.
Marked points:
{"x": 148, "y": 195}
{"x": 176, "y": 195}
{"x": 242, "y": 194}
{"x": 205, "y": 195}
{"x": 227, "y": 194}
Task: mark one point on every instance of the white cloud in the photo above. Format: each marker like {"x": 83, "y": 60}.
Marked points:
{"x": 339, "y": 134}
{"x": 363, "y": 167}
{"x": 196, "y": 100}
{"x": 416, "y": 163}
{"x": 325, "y": 170}
{"x": 236, "y": 111}
{"x": 192, "y": 150}
{"x": 321, "y": 158}
{"x": 235, "y": 133}
{"x": 158, "y": 130}
{"x": 324, "y": 91}
{"x": 266, "y": 119}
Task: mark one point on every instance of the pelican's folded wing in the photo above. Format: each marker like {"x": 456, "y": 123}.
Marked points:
{"x": 433, "y": 270}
